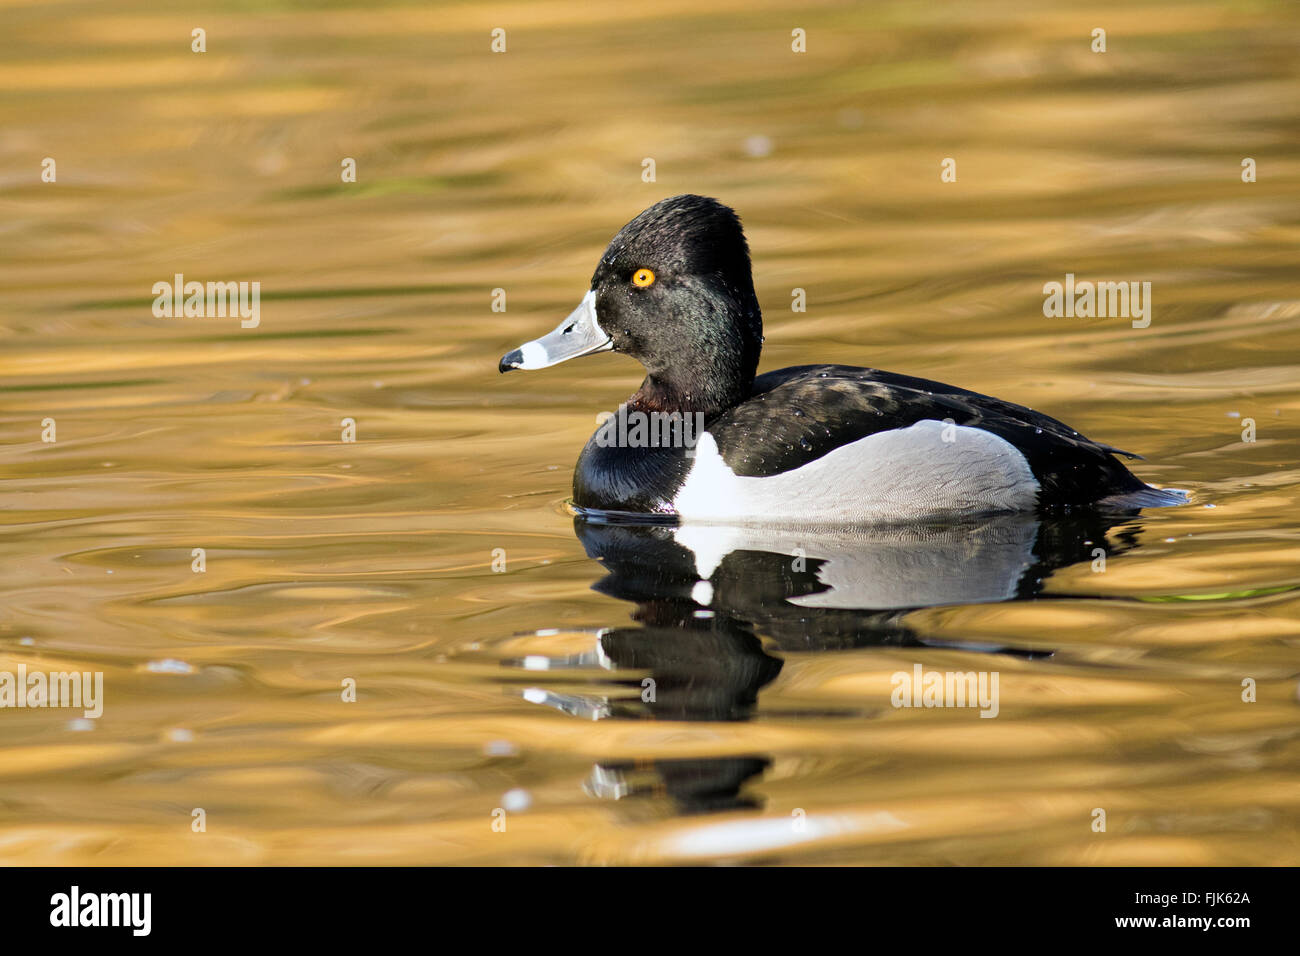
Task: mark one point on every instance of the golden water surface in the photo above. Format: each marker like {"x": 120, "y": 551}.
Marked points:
{"x": 499, "y": 713}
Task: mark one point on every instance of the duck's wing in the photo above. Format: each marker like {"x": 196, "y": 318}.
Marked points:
{"x": 796, "y": 415}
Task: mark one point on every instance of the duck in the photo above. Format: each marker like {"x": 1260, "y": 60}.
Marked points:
{"x": 707, "y": 439}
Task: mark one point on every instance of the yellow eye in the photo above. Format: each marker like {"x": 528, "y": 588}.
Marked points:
{"x": 642, "y": 278}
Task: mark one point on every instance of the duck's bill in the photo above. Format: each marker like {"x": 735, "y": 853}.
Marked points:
{"x": 579, "y": 334}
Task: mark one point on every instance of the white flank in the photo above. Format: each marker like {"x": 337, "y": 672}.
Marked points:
{"x": 896, "y": 475}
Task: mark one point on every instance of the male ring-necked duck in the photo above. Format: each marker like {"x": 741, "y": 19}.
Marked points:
{"x": 813, "y": 444}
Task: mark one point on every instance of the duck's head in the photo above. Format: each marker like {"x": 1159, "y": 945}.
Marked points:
{"x": 674, "y": 291}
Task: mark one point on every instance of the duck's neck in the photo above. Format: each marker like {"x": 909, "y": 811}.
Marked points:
{"x": 709, "y": 392}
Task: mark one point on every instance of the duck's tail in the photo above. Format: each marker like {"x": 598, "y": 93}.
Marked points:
{"x": 1147, "y": 497}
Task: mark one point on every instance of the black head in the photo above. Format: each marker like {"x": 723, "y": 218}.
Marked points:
{"x": 674, "y": 291}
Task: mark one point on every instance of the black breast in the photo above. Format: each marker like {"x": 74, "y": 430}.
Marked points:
{"x": 620, "y": 478}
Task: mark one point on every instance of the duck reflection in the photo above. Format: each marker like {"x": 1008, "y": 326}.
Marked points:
{"x": 716, "y": 605}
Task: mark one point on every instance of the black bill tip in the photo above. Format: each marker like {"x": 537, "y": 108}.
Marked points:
{"x": 511, "y": 361}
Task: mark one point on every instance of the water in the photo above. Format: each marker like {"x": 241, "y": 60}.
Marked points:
{"x": 485, "y": 692}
